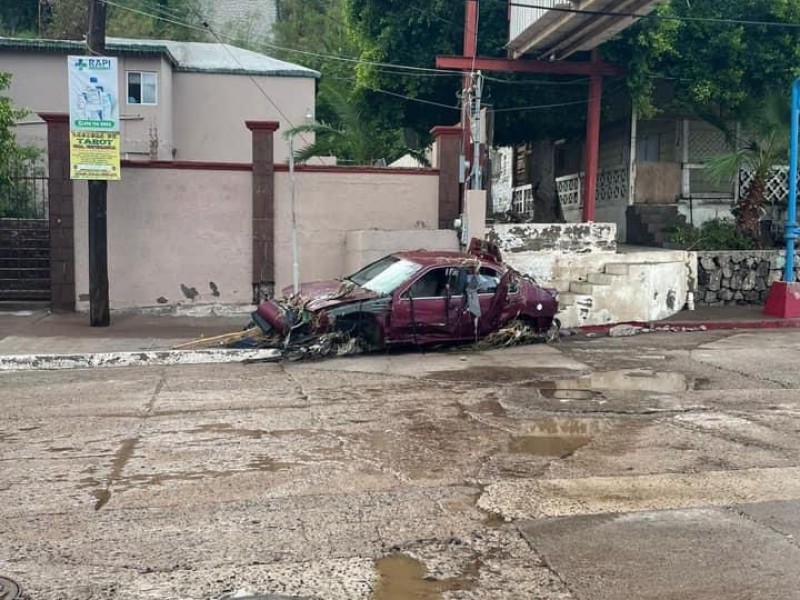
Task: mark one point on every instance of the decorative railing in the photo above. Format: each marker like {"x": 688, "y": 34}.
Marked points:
{"x": 776, "y": 188}
{"x": 612, "y": 188}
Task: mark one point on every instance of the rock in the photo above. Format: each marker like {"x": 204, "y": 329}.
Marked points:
{"x": 727, "y": 272}
{"x": 725, "y": 295}
{"x": 736, "y": 280}
{"x": 707, "y": 263}
{"x": 761, "y": 283}
{"x": 777, "y": 262}
{"x": 623, "y": 331}
{"x": 749, "y": 281}
{"x": 763, "y": 268}
{"x": 738, "y": 296}
{"x": 714, "y": 281}
{"x": 773, "y": 277}
{"x": 710, "y": 297}
{"x": 752, "y": 297}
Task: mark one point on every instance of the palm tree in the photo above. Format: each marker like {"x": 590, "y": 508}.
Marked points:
{"x": 766, "y": 146}
{"x": 351, "y": 136}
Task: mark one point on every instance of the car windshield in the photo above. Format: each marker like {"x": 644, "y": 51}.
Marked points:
{"x": 385, "y": 275}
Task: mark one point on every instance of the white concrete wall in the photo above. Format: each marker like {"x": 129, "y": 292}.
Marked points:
{"x": 330, "y": 203}
{"x": 171, "y": 231}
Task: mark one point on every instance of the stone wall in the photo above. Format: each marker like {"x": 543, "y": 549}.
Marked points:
{"x": 570, "y": 238}
{"x": 737, "y": 277}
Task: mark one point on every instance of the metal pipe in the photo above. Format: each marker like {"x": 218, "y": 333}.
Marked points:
{"x": 791, "y": 213}
{"x": 295, "y": 252}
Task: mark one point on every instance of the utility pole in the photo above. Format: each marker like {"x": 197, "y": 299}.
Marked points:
{"x": 99, "y": 312}
{"x": 476, "y": 94}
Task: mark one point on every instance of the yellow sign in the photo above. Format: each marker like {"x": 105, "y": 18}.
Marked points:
{"x": 95, "y": 155}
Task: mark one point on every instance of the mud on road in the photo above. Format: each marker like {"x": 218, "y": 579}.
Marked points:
{"x": 540, "y": 471}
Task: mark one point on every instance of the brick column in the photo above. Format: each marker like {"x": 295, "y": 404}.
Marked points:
{"x": 448, "y": 149}
{"x": 62, "y": 213}
{"x": 263, "y": 208}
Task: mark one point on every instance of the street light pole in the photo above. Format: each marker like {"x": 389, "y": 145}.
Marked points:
{"x": 791, "y": 213}
{"x": 295, "y": 250}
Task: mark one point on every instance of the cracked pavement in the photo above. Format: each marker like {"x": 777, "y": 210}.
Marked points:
{"x": 659, "y": 466}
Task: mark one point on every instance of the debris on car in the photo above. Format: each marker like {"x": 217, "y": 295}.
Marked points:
{"x": 415, "y": 298}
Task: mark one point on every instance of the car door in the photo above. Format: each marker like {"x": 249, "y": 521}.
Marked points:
{"x": 431, "y": 307}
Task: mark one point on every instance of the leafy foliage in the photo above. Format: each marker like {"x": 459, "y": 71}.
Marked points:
{"x": 15, "y": 160}
{"x": 719, "y": 67}
{"x": 716, "y": 234}
{"x": 19, "y": 17}
{"x": 766, "y": 145}
{"x": 69, "y": 19}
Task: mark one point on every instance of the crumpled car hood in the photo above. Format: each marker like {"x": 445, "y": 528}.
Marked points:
{"x": 324, "y": 294}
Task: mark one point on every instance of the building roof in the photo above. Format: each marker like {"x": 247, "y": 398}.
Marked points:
{"x": 190, "y": 57}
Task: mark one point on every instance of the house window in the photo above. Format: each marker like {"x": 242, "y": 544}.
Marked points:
{"x": 142, "y": 88}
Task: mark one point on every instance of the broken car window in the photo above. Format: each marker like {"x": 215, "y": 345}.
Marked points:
{"x": 385, "y": 275}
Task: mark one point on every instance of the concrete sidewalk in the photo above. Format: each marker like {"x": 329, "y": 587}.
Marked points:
{"x": 43, "y": 332}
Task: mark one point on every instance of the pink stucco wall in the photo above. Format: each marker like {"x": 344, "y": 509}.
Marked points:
{"x": 171, "y": 230}
{"x": 329, "y": 203}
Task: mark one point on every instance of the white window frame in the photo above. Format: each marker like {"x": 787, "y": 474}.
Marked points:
{"x": 142, "y": 75}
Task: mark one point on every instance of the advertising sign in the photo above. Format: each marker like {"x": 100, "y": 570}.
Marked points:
{"x": 94, "y": 117}
{"x": 94, "y": 155}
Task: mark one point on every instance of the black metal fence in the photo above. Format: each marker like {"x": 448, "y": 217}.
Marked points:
{"x": 24, "y": 235}
{"x": 23, "y": 194}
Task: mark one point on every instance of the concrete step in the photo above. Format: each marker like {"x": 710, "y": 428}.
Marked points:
{"x": 40, "y": 283}
{"x": 604, "y": 278}
{"x": 24, "y": 273}
{"x": 618, "y": 269}
{"x": 20, "y": 295}
{"x": 581, "y": 287}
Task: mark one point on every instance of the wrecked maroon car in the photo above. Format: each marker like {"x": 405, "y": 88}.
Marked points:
{"x": 415, "y": 297}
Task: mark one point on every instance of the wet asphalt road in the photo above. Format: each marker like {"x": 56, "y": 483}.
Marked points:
{"x": 660, "y": 466}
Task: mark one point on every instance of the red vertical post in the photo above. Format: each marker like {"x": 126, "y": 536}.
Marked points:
{"x": 470, "y": 51}
{"x": 592, "y": 144}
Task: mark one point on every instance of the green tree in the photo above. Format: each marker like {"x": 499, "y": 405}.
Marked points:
{"x": 15, "y": 160}
{"x": 713, "y": 67}
{"x": 350, "y": 136}
{"x": 766, "y": 145}
{"x": 158, "y": 19}
{"x": 19, "y": 17}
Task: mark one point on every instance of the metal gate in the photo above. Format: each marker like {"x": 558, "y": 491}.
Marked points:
{"x": 24, "y": 235}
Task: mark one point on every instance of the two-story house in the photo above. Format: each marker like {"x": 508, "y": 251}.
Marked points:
{"x": 180, "y": 100}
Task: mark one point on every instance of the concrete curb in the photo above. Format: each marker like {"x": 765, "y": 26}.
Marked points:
{"x": 700, "y": 325}
{"x": 148, "y": 358}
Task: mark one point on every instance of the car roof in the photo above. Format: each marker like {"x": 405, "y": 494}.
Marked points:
{"x": 433, "y": 257}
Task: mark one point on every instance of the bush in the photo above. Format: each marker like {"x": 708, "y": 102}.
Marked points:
{"x": 716, "y": 234}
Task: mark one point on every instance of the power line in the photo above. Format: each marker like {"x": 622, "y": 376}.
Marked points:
{"x": 662, "y": 17}
{"x": 392, "y": 68}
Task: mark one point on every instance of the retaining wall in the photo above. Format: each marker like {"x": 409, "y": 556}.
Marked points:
{"x": 737, "y": 277}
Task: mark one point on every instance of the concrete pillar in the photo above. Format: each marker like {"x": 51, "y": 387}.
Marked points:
{"x": 474, "y": 215}
{"x": 62, "y": 213}
{"x": 448, "y": 151}
{"x": 263, "y": 208}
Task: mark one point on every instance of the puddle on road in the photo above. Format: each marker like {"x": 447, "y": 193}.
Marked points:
{"x": 559, "y": 437}
{"x": 497, "y": 374}
{"x": 403, "y": 578}
{"x": 598, "y": 385}
{"x": 560, "y": 447}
